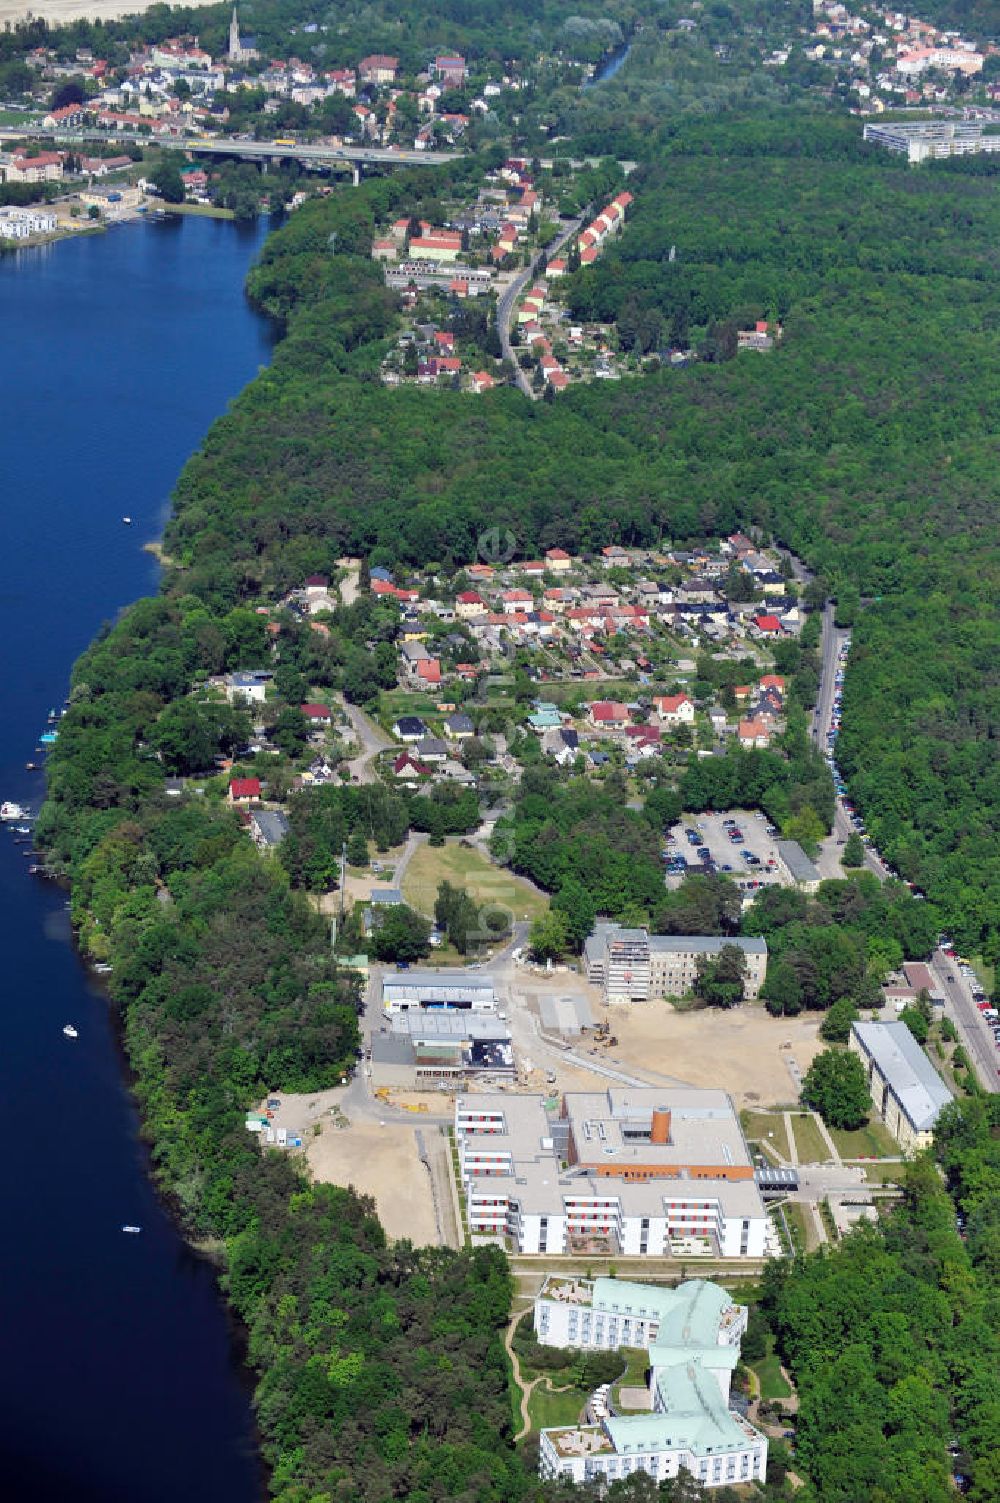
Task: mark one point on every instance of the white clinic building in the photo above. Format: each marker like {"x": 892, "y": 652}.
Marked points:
{"x": 683, "y": 1420}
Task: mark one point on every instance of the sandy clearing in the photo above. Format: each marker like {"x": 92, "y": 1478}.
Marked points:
{"x": 382, "y": 1162}
{"x": 62, "y": 11}
{"x": 739, "y": 1051}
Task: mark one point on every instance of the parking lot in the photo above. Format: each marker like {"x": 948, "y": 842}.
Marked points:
{"x": 725, "y": 854}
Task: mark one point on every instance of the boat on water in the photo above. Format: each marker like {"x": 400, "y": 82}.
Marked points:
{"x": 133, "y": 1231}
{"x": 31, "y": 766}
{"x": 10, "y": 812}
{"x": 127, "y": 521}
{"x": 48, "y": 737}
{"x": 70, "y": 1031}
{"x": 53, "y": 714}
{"x": 23, "y": 829}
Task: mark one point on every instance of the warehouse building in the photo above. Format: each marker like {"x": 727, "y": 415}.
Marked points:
{"x": 907, "y": 1091}
{"x": 466, "y": 990}
{"x": 421, "y": 1050}
{"x": 693, "y": 1335}
{"x": 631, "y": 965}
{"x": 633, "y": 1171}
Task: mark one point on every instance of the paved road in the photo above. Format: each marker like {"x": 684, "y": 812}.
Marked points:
{"x": 373, "y": 740}
{"x": 973, "y": 1029}
{"x": 508, "y": 300}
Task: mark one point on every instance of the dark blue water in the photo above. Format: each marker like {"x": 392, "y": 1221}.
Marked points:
{"x": 119, "y": 1379}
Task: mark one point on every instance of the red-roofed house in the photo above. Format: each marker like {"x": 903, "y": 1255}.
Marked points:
{"x": 468, "y": 604}
{"x": 773, "y": 681}
{"x": 556, "y": 268}
{"x": 558, "y": 380}
{"x": 445, "y": 340}
{"x": 429, "y": 670}
{"x": 674, "y": 709}
{"x": 558, "y": 560}
{"x": 407, "y": 766}
{"x": 482, "y": 381}
{"x": 516, "y": 602}
{"x": 378, "y": 68}
{"x": 588, "y": 256}
{"x": 316, "y": 713}
{"x": 458, "y": 288}
{"x": 436, "y": 245}
{"x": 608, "y": 712}
{"x": 244, "y": 791}
{"x": 768, "y": 626}
{"x": 754, "y": 733}
{"x": 480, "y": 571}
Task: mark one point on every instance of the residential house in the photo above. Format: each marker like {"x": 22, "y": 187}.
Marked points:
{"x": 459, "y": 727}
{"x": 407, "y": 766}
{"x": 268, "y": 828}
{"x": 244, "y": 791}
{"x": 316, "y": 714}
{"x": 430, "y": 749}
{"x": 558, "y": 561}
{"x": 409, "y": 728}
{"x": 378, "y": 69}
{"x": 608, "y": 714}
{"x": 753, "y": 733}
{"x": 247, "y": 687}
{"x": 562, "y": 745}
{"x": 767, "y": 626}
{"x": 674, "y": 709}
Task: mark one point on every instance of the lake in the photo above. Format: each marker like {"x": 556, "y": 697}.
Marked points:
{"x": 120, "y": 1380}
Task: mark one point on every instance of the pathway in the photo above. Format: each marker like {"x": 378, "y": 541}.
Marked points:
{"x": 373, "y": 740}
{"x": 792, "y": 1146}
{"x": 824, "y": 1134}
{"x": 526, "y": 1388}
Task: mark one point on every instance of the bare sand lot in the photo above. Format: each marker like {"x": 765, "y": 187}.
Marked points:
{"x": 739, "y": 1052}
{"x": 60, "y": 11}
{"x": 382, "y": 1162}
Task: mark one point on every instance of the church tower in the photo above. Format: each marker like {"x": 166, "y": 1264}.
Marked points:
{"x": 234, "y": 37}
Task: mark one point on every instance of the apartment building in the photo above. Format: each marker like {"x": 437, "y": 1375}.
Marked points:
{"x": 693, "y": 1334}
{"x": 924, "y": 140}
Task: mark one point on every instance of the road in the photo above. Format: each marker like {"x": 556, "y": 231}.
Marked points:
{"x": 829, "y": 859}
{"x": 508, "y": 301}
{"x": 266, "y": 151}
{"x": 373, "y": 740}
{"x": 974, "y": 1032}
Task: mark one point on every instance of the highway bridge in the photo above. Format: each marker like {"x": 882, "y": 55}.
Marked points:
{"x": 334, "y": 158}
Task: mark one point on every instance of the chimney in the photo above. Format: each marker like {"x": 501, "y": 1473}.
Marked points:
{"x": 659, "y": 1131}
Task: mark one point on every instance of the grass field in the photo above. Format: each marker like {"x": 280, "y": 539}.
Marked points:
{"x": 204, "y": 211}
{"x": 809, "y": 1141}
{"x": 767, "y": 1127}
{"x": 548, "y": 1408}
{"x": 395, "y": 702}
{"x": 884, "y": 1174}
{"x": 466, "y": 867}
{"x": 802, "y": 1226}
{"x": 768, "y": 1370}
{"x": 871, "y": 1141}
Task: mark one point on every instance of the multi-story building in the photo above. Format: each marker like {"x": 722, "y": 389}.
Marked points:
{"x": 924, "y": 140}
{"x": 692, "y": 1334}
{"x": 20, "y": 224}
{"x": 637, "y": 1172}
{"x": 907, "y": 1091}
{"x": 633, "y": 966}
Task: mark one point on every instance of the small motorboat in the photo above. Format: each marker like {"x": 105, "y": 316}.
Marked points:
{"x": 31, "y": 766}
{"x": 23, "y": 829}
{"x": 133, "y": 1231}
{"x": 10, "y": 812}
{"x": 70, "y": 1031}
{"x": 127, "y": 521}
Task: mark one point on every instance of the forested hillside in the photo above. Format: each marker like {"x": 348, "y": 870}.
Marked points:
{"x": 866, "y": 441}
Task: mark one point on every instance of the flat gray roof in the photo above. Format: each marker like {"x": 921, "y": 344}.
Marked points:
{"x": 902, "y": 1063}
{"x": 565, "y": 1014}
{"x": 798, "y": 863}
{"x": 705, "y": 944}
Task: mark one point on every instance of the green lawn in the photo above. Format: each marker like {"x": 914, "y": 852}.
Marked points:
{"x": 634, "y": 1375}
{"x": 767, "y": 1127}
{"x": 986, "y": 973}
{"x": 801, "y": 1222}
{"x": 547, "y": 1408}
{"x": 884, "y": 1174}
{"x": 871, "y": 1141}
{"x": 463, "y": 866}
{"x": 809, "y": 1141}
{"x": 204, "y": 211}
{"x": 768, "y": 1370}
{"x": 395, "y": 702}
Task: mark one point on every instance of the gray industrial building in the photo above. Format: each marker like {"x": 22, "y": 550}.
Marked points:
{"x": 419, "y": 1049}
{"x": 907, "y": 1091}
{"x": 470, "y": 991}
